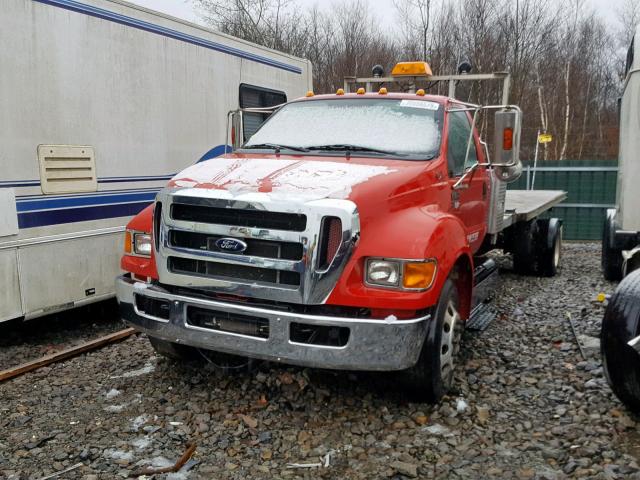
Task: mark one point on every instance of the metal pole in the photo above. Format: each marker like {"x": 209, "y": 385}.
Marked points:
{"x": 528, "y": 174}
{"x": 506, "y": 85}
{"x": 535, "y": 160}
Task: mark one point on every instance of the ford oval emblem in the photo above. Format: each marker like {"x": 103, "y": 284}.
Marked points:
{"x": 231, "y": 245}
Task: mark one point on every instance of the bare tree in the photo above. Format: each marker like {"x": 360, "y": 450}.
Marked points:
{"x": 563, "y": 59}
{"x": 628, "y": 16}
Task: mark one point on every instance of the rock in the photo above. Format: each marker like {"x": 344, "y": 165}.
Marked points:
{"x": 421, "y": 419}
{"x": 249, "y": 421}
{"x": 593, "y": 383}
{"x": 406, "y": 469}
{"x": 483, "y": 414}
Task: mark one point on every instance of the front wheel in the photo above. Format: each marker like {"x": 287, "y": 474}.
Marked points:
{"x": 432, "y": 376}
{"x": 621, "y": 324}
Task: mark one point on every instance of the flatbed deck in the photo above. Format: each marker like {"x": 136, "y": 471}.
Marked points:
{"x": 525, "y": 205}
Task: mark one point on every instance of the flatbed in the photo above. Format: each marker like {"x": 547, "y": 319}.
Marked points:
{"x": 525, "y": 205}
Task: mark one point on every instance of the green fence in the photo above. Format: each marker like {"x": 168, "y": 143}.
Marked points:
{"x": 591, "y": 188}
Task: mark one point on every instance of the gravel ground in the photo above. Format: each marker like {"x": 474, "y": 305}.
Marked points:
{"x": 22, "y": 341}
{"x": 526, "y": 405}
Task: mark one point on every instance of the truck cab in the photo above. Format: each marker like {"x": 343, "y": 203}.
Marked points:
{"x": 343, "y": 234}
{"x": 621, "y": 232}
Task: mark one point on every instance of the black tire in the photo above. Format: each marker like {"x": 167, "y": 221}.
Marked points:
{"x": 174, "y": 351}
{"x": 429, "y": 379}
{"x": 548, "y": 247}
{"x": 621, "y": 323}
{"x": 523, "y": 247}
{"x": 611, "y": 257}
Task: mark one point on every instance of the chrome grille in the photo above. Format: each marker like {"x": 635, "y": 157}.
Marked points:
{"x": 208, "y": 269}
{"x": 283, "y": 239}
{"x": 255, "y": 247}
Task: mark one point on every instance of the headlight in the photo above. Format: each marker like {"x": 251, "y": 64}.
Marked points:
{"x": 137, "y": 243}
{"x": 400, "y": 274}
{"x": 142, "y": 244}
{"x": 385, "y": 273}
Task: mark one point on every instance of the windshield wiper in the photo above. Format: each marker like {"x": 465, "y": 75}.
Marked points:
{"x": 353, "y": 148}
{"x": 276, "y": 147}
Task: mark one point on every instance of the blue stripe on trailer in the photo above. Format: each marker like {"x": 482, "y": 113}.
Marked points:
{"x": 135, "y": 179}
{"x": 166, "y": 32}
{"x": 36, "y": 183}
{"x": 82, "y": 214}
{"x": 22, "y": 198}
{"x": 20, "y": 183}
{"x": 40, "y": 204}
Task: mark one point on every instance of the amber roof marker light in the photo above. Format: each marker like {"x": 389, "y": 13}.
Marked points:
{"x": 412, "y": 69}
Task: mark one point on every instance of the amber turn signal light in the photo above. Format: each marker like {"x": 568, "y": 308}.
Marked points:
{"x": 418, "y": 275}
{"x": 127, "y": 242}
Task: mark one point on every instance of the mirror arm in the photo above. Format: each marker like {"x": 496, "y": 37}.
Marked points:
{"x": 468, "y": 172}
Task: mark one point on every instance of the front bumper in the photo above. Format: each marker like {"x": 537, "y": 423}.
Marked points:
{"x": 382, "y": 345}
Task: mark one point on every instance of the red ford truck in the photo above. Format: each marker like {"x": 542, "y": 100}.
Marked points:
{"x": 347, "y": 233}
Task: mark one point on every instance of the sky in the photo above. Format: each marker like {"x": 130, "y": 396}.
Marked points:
{"x": 185, "y": 10}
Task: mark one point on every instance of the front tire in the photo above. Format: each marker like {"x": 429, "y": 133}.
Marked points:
{"x": 621, "y": 324}
{"x": 432, "y": 376}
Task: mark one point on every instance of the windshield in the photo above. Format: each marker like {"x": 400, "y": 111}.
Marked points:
{"x": 396, "y": 127}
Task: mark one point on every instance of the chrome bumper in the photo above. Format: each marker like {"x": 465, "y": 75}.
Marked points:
{"x": 382, "y": 345}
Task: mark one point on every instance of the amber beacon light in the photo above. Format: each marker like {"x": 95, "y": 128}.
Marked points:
{"x": 414, "y": 69}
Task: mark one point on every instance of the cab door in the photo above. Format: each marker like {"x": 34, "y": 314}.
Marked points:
{"x": 469, "y": 201}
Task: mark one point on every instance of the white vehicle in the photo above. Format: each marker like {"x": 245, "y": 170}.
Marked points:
{"x": 101, "y": 103}
{"x": 621, "y": 234}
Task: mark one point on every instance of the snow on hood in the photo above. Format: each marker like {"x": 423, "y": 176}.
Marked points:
{"x": 303, "y": 179}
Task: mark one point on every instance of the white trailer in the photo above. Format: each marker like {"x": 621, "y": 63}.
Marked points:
{"x": 101, "y": 102}
{"x": 621, "y": 233}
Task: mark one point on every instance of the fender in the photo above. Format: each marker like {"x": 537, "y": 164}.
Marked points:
{"x": 144, "y": 267}
{"x": 416, "y": 233}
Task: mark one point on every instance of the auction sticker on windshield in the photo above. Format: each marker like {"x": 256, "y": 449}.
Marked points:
{"x": 420, "y": 104}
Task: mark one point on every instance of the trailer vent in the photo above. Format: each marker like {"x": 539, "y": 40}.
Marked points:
{"x": 67, "y": 169}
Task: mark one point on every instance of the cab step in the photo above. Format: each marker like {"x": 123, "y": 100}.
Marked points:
{"x": 481, "y": 317}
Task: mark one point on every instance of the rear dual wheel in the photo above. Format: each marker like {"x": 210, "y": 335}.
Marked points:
{"x": 537, "y": 247}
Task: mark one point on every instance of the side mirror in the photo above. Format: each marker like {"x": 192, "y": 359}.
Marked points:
{"x": 234, "y": 129}
{"x": 507, "y": 166}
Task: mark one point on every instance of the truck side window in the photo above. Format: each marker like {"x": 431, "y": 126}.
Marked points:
{"x": 257, "y": 97}
{"x": 459, "y": 129}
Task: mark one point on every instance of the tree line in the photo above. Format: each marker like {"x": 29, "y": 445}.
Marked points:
{"x": 566, "y": 62}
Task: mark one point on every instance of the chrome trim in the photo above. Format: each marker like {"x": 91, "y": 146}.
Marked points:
{"x": 382, "y": 345}
{"x": 315, "y": 285}
{"x": 144, "y": 314}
